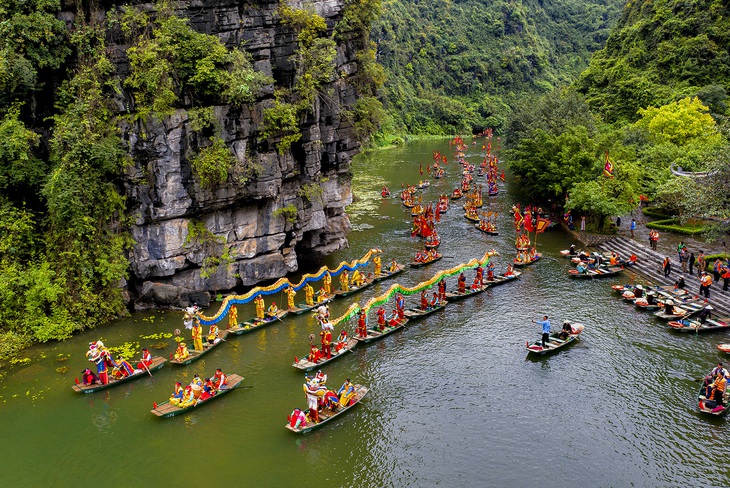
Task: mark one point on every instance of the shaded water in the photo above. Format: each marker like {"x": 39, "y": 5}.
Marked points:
{"x": 454, "y": 400}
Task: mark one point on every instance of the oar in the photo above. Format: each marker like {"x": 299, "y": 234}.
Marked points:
{"x": 145, "y": 367}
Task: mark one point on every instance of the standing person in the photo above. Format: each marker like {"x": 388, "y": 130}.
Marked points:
{"x": 725, "y": 277}
{"x": 545, "y": 323}
{"x": 691, "y": 262}
{"x": 683, "y": 259}
{"x": 618, "y": 223}
{"x": 701, "y": 264}
{"x": 583, "y": 223}
{"x": 232, "y": 317}
{"x": 680, "y": 247}
{"x": 667, "y": 266}
{"x": 716, "y": 270}
{"x": 197, "y": 334}
{"x": 705, "y": 283}
{"x": 656, "y": 239}
{"x": 290, "y": 294}
{"x": 632, "y": 227}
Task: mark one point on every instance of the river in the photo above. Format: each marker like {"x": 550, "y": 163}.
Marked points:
{"x": 454, "y": 399}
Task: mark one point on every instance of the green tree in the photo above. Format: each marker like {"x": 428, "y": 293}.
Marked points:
{"x": 679, "y": 123}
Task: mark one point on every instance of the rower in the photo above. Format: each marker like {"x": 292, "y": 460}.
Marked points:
{"x": 669, "y": 307}
{"x": 273, "y": 310}
{"x": 638, "y": 291}
{"x": 220, "y": 380}
{"x": 213, "y": 335}
{"x": 571, "y": 251}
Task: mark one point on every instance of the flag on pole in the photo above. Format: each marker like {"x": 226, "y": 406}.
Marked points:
{"x": 608, "y": 168}
{"x": 541, "y": 225}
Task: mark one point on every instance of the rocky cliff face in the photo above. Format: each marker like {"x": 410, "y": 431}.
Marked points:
{"x": 170, "y": 264}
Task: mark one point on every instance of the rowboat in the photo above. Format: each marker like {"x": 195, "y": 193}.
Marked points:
{"x": 194, "y": 355}
{"x": 724, "y": 348}
{"x": 680, "y": 311}
{"x": 566, "y": 253}
{"x": 424, "y": 184}
{"x": 417, "y": 313}
{"x": 327, "y": 415}
{"x": 157, "y": 363}
{"x": 375, "y": 334}
{"x": 596, "y": 273}
{"x": 472, "y": 218}
{"x": 711, "y": 407}
{"x": 432, "y": 242}
{"x": 456, "y": 194}
{"x": 453, "y": 296}
{"x": 499, "y": 279}
{"x": 307, "y": 365}
{"x": 522, "y": 264}
{"x": 387, "y": 273}
{"x": 167, "y": 409}
{"x": 352, "y": 289}
{"x": 418, "y": 264}
{"x": 490, "y": 232}
{"x": 697, "y": 326}
{"x": 551, "y": 346}
{"x": 302, "y": 307}
{"x": 256, "y": 323}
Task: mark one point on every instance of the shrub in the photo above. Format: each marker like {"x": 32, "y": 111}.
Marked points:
{"x": 672, "y": 225}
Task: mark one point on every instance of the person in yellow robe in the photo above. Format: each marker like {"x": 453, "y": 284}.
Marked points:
{"x": 259, "y": 302}
{"x": 232, "y": 317}
{"x": 378, "y": 263}
{"x": 357, "y": 279}
{"x": 309, "y": 295}
{"x": 327, "y": 283}
{"x": 290, "y": 294}
{"x": 345, "y": 281}
{"x": 197, "y": 333}
{"x": 181, "y": 353}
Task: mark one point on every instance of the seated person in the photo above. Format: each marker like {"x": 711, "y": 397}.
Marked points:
{"x": 89, "y": 377}
{"x": 566, "y": 332}
{"x": 581, "y": 269}
{"x": 207, "y": 393}
{"x": 177, "y": 395}
{"x": 705, "y": 313}
{"x": 669, "y": 307}
{"x": 314, "y": 355}
{"x": 638, "y": 291}
{"x": 571, "y": 251}
{"x": 181, "y": 352}
{"x": 679, "y": 284}
{"x": 651, "y": 299}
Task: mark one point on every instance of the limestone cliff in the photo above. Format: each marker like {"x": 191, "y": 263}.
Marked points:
{"x": 166, "y": 202}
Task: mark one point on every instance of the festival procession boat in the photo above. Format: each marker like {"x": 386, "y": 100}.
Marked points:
{"x": 503, "y": 278}
{"x": 471, "y": 214}
{"x": 302, "y": 307}
{"x": 418, "y": 264}
{"x": 433, "y": 241}
{"x": 157, "y": 363}
{"x": 256, "y": 323}
{"x": 532, "y": 260}
{"x": 554, "y": 343}
{"x": 456, "y": 295}
{"x": 367, "y": 281}
{"x": 697, "y": 326}
{"x": 376, "y": 334}
{"x": 596, "y": 273}
{"x": 711, "y": 407}
{"x": 417, "y": 313}
{"x": 326, "y": 414}
{"x": 306, "y": 365}
{"x": 487, "y": 228}
{"x": 456, "y": 194}
{"x": 167, "y": 409}
{"x": 194, "y": 355}
{"x": 384, "y": 274}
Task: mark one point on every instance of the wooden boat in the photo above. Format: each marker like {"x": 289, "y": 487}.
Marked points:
{"x": 596, "y": 273}
{"x": 680, "y": 311}
{"x": 566, "y": 253}
{"x": 697, "y": 327}
{"x": 424, "y": 184}
{"x": 352, "y": 289}
{"x": 167, "y": 409}
{"x": 432, "y": 243}
{"x": 302, "y": 307}
{"x": 157, "y": 363}
{"x": 455, "y": 295}
{"x": 724, "y": 348}
{"x": 490, "y": 232}
{"x": 470, "y": 217}
{"x": 375, "y": 334}
{"x": 307, "y": 365}
{"x": 717, "y": 410}
{"x": 522, "y": 264}
{"x": 456, "y": 194}
{"x": 500, "y": 279}
{"x": 408, "y": 204}
{"x": 418, "y": 264}
{"x": 554, "y": 344}
{"x": 256, "y": 323}
{"x": 195, "y": 355}
{"x": 417, "y": 313}
{"x": 326, "y": 415}
{"x": 384, "y": 274}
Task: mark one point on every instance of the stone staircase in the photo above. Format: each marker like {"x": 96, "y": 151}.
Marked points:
{"x": 650, "y": 265}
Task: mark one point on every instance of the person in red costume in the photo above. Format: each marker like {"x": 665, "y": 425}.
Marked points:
{"x": 424, "y": 300}
{"x": 146, "y": 359}
{"x": 220, "y": 380}
{"x": 362, "y": 324}
{"x": 381, "y": 318}
{"x": 462, "y": 283}
{"x": 326, "y": 343}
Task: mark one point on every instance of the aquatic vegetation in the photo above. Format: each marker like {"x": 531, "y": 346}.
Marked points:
{"x": 62, "y": 370}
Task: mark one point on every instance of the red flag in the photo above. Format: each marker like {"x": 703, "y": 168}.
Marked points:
{"x": 608, "y": 168}
{"x": 296, "y": 359}
{"x": 528, "y": 222}
{"x": 77, "y": 380}
{"x": 154, "y": 405}
{"x": 420, "y": 169}
{"x": 170, "y": 355}
{"x": 542, "y": 224}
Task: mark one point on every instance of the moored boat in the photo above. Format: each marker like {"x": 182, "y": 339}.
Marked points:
{"x": 697, "y": 326}
{"x": 167, "y": 409}
{"x": 326, "y": 415}
{"x": 157, "y": 363}
{"x": 724, "y": 348}
{"x": 680, "y": 311}
{"x": 596, "y": 273}
{"x": 375, "y": 334}
{"x": 307, "y": 365}
{"x": 256, "y": 323}
{"x": 194, "y": 355}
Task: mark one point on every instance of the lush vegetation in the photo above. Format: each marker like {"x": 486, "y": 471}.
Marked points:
{"x": 653, "y": 98}
{"x": 673, "y": 225}
{"x": 460, "y": 66}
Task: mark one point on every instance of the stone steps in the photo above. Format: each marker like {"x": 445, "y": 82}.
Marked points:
{"x": 650, "y": 265}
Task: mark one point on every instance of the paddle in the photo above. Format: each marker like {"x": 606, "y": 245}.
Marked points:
{"x": 145, "y": 367}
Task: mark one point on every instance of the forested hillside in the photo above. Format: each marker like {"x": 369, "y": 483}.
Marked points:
{"x": 654, "y": 98}
{"x": 459, "y": 65}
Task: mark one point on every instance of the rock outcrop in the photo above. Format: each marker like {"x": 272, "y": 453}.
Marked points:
{"x": 190, "y": 239}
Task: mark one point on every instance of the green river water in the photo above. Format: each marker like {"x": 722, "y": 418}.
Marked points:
{"x": 454, "y": 399}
